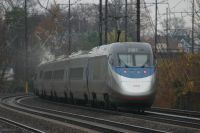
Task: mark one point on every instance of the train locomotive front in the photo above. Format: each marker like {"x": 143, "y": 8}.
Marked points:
{"x": 132, "y": 73}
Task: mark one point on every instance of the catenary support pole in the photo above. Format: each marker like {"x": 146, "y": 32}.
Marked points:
{"x": 69, "y": 27}
{"x": 156, "y": 24}
{"x": 106, "y": 21}
{"x": 138, "y": 20}
{"x": 193, "y": 26}
{"x": 100, "y": 22}
{"x": 126, "y": 20}
{"x": 26, "y": 46}
{"x": 167, "y": 29}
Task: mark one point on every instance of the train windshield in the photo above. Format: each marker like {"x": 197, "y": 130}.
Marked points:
{"x": 133, "y": 60}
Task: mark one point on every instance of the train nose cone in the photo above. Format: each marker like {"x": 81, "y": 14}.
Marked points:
{"x": 135, "y": 87}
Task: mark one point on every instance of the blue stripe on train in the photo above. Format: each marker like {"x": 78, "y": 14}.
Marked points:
{"x": 134, "y": 72}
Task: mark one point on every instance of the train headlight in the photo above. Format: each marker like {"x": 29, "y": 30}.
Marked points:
{"x": 145, "y": 71}
{"x": 125, "y": 70}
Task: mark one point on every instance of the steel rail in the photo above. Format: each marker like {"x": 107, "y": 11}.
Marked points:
{"x": 176, "y": 111}
{"x": 20, "y": 125}
{"x": 152, "y": 116}
{"x": 82, "y": 120}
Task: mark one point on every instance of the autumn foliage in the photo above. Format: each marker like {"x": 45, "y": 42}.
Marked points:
{"x": 178, "y": 81}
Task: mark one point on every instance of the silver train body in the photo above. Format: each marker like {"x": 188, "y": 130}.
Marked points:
{"x": 121, "y": 73}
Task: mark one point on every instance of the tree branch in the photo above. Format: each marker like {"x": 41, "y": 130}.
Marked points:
{"x": 46, "y": 8}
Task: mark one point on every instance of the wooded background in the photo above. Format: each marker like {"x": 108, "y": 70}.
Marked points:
{"x": 48, "y": 26}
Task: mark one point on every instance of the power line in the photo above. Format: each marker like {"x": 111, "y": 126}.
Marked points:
{"x": 177, "y": 4}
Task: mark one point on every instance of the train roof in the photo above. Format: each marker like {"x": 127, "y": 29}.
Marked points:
{"x": 96, "y": 51}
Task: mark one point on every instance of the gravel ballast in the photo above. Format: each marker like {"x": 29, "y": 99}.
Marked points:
{"x": 7, "y": 128}
{"x": 40, "y": 123}
{"x": 118, "y": 118}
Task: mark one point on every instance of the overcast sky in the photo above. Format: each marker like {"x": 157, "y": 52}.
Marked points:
{"x": 174, "y": 5}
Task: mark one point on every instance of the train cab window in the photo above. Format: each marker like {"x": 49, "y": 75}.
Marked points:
{"x": 141, "y": 60}
{"x": 76, "y": 73}
{"x": 58, "y": 74}
{"x": 126, "y": 60}
{"x": 133, "y": 60}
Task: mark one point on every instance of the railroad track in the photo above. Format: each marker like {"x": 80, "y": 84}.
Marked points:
{"x": 177, "y": 112}
{"x": 180, "y": 120}
{"x": 20, "y": 125}
{"x": 97, "y": 124}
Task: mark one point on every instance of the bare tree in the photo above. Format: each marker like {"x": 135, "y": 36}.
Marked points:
{"x": 3, "y": 52}
{"x": 176, "y": 27}
{"x": 12, "y": 36}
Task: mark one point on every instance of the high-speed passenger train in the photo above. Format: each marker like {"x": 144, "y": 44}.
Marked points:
{"x": 121, "y": 73}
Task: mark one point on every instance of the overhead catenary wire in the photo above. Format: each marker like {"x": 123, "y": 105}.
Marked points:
{"x": 166, "y": 62}
{"x": 186, "y": 78}
{"x": 153, "y": 29}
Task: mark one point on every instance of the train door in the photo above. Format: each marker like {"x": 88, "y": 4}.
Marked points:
{"x": 97, "y": 77}
{"x": 88, "y": 96}
{"x": 37, "y": 81}
{"x": 47, "y": 81}
{"x": 66, "y": 84}
{"x": 41, "y": 81}
{"x": 77, "y": 78}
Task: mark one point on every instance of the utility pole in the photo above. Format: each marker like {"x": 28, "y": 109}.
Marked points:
{"x": 126, "y": 20}
{"x": 100, "y": 22}
{"x": 167, "y": 28}
{"x": 26, "y": 46}
{"x": 69, "y": 27}
{"x": 156, "y": 23}
{"x": 193, "y": 26}
{"x": 118, "y": 31}
{"x": 138, "y": 20}
{"x": 106, "y": 21}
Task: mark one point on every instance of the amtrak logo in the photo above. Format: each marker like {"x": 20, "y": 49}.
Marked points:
{"x": 136, "y": 86}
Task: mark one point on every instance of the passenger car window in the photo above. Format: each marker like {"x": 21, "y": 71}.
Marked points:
{"x": 35, "y": 76}
{"x": 76, "y": 73}
{"x": 48, "y": 75}
{"x": 41, "y": 74}
{"x": 58, "y": 74}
